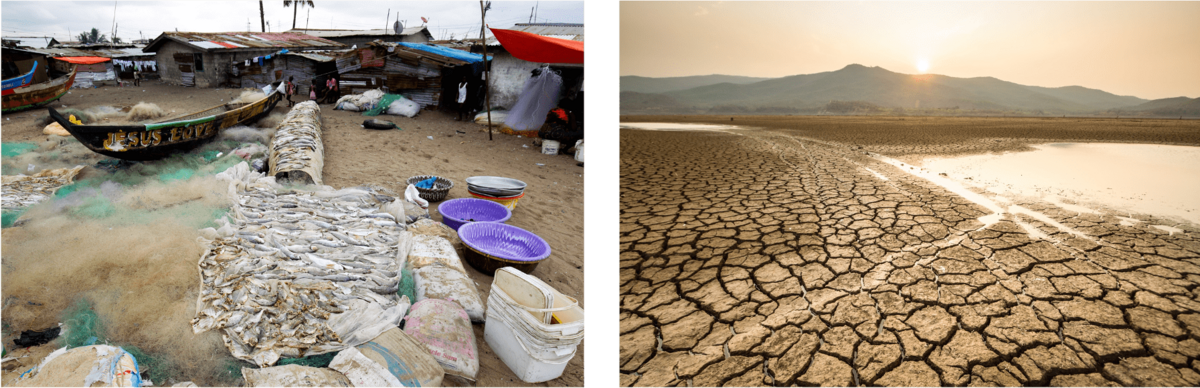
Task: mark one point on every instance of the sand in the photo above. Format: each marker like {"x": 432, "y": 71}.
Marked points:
{"x": 552, "y": 207}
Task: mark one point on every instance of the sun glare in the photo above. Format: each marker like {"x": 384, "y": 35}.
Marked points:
{"x": 922, "y": 65}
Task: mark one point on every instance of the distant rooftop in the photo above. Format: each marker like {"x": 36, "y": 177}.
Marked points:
{"x": 340, "y": 33}
{"x": 241, "y": 40}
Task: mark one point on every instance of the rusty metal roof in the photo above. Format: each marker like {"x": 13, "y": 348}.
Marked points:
{"x": 334, "y": 33}
{"x": 60, "y": 51}
{"x": 243, "y": 41}
{"x": 568, "y": 31}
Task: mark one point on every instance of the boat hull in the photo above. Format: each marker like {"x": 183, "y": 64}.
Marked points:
{"x": 33, "y": 96}
{"x": 159, "y": 140}
{"x": 16, "y": 82}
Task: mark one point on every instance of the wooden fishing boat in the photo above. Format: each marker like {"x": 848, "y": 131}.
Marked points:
{"x": 35, "y": 95}
{"x": 176, "y": 134}
{"x": 16, "y": 82}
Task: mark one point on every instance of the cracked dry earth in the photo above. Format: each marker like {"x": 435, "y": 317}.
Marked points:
{"x": 756, "y": 258}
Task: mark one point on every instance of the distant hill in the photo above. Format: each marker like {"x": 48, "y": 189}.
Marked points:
{"x": 880, "y": 88}
{"x": 1178, "y": 106}
{"x": 633, "y": 83}
{"x": 648, "y": 103}
{"x": 1173, "y": 102}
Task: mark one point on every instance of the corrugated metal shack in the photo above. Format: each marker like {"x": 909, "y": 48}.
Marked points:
{"x": 124, "y": 58}
{"x": 207, "y": 59}
{"x": 511, "y": 73}
{"x": 415, "y": 73}
{"x": 362, "y": 37}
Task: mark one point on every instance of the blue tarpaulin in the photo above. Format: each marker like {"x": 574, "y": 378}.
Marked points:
{"x": 446, "y": 52}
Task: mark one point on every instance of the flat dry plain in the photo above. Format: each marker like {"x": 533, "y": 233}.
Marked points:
{"x": 773, "y": 257}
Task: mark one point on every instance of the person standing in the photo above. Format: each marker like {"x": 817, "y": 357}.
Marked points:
{"x": 462, "y": 99}
{"x": 137, "y": 77}
{"x": 331, "y": 87}
{"x": 291, "y": 89}
{"x": 312, "y": 89}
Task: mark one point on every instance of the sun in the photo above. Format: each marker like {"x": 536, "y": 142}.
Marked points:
{"x": 922, "y": 65}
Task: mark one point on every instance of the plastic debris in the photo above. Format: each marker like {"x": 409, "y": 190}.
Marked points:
{"x": 31, "y": 338}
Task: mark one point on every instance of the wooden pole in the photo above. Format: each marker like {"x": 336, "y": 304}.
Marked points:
{"x": 487, "y": 91}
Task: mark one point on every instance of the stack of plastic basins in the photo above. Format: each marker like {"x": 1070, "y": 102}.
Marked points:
{"x": 532, "y": 327}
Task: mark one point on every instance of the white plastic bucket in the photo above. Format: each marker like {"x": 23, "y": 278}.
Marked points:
{"x": 579, "y": 151}
{"x": 516, "y": 355}
{"x": 521, "y": 329}
{"x": 550, "y": 147}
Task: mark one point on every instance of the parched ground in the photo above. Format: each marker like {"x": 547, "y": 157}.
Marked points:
{"x": 764, "y": 258}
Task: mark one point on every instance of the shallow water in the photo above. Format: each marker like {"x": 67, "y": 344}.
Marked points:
{"x": 1160, "y": 180}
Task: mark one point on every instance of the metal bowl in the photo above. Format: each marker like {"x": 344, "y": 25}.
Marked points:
{"x": 496, "y": 182}
{"x": 493, "y": 191}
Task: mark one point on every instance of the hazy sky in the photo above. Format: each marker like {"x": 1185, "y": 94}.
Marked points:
{"x": 1145, "y": 49}
{"x": 151, "y": 18}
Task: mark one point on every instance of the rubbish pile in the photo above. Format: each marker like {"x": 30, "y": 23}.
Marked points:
{"x": 374, "y": 102}
{"x": 299, "y": 273}
{"x": 84, "y": 366}
{"x": 297, "y": 153}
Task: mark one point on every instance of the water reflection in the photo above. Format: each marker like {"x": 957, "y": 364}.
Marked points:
{"x": 1152, "y": 179}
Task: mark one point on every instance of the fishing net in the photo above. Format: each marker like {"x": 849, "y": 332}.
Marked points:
{"x": 9, "y": 150}
{"x": 383, "y": 104}
{"x": 317, "y": 361}
{"x": 407, "y": 286}
{"x": 538, "y": 97}
{"x": 81, "y": 326}
{"x": 10, "y": 217}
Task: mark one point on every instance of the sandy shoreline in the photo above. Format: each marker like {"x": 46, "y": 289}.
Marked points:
{"x": 913, "y": 138}
{"x": 552, "y": 207}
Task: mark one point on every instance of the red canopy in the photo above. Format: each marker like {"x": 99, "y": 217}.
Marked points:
{"x": 541, "y": 49}
{"x": 83, "y": 60}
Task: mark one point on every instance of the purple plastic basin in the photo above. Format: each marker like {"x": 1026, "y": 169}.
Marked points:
{"x": 459, "y": 211}
{"x": 493, "y": 245}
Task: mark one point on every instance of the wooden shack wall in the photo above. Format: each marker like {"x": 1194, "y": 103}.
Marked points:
{"x": 416, "y": 80}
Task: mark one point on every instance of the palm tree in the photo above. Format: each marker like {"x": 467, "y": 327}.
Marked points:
{"x": 92, "y": 37}
{"x": 288, "y": 3}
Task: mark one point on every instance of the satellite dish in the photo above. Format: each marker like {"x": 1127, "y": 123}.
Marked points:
{"x": 399, "y": 28}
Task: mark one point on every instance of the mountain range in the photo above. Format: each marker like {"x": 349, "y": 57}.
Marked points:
{"x": 877, "y": 90}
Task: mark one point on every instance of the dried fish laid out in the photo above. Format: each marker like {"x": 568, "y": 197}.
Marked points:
{"x": 25, "y": 190}
{"x": 299, "y": 272}
{"x": 297, "y": 154}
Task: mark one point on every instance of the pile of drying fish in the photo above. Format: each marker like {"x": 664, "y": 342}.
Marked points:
{"x": 297, "y": 154}
{"x": 25, "y": 190}
{"x": 300, "y": 273}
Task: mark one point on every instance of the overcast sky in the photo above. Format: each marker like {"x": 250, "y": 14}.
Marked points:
{"x": 150, "y": 18}
{"x": 1148, "y": 50}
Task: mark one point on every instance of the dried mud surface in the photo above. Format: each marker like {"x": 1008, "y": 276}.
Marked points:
{"x": 762, "y": 258}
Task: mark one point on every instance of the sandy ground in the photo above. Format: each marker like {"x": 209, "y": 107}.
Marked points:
{"x": 552, "y": 207}
{"x": 790, "y": 256}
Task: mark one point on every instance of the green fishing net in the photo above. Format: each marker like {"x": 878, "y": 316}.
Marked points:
{"x": 383, "y": 104}
{"x": 12, "y": 149}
